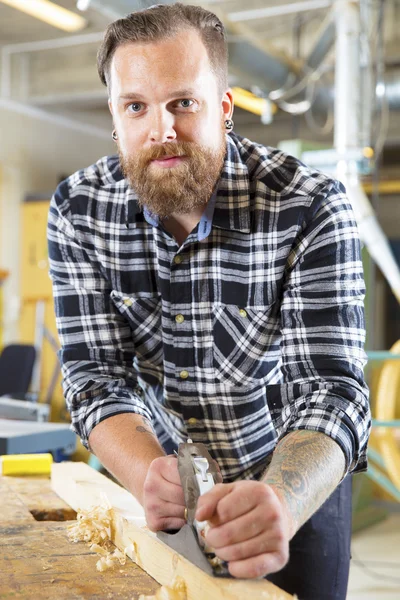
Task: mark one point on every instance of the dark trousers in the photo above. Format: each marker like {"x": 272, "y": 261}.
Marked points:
{"x": 318, "y": 567}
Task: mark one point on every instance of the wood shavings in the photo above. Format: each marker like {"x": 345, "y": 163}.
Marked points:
{"x": 175, "y": 591}
{"x": 215, "y": 562}
{"x": 94, "y": 527}
{"x": 131, "y": 551}
{"x": 110, "y": 560}
{"x": 99, "y": 549}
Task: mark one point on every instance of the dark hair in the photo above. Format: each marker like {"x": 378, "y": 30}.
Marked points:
{"x": 161, "y": 22}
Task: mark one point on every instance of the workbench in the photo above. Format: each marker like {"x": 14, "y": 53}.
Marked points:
{"x": 37, "y": 561}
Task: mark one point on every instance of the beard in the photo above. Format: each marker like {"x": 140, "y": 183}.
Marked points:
{"x": 179, "y": 189}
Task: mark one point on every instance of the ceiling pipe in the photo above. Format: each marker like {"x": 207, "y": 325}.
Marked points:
{"x": 257, "y": 62}
{"x": 325, "y": 42}
{"x": 263, "y": 69}
{"x": 253, "y": 64}
{"x": 392, "y": 87}
{"x": 295, "y": 89}
{"x": 347, "y": 139}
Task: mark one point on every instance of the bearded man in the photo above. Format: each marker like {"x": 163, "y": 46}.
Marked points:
{"x": 209, "y": 287}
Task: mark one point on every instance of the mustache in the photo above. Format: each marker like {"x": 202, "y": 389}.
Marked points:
{"x": 168, "y": 149}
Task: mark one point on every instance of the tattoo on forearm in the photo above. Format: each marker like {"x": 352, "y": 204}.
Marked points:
{"x": 146, "y": 427}
{"x": 305, "y": 469}
{"x": 294, "y": 481}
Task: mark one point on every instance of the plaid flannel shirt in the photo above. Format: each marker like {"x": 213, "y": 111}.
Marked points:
{"x": 251, "y": 329}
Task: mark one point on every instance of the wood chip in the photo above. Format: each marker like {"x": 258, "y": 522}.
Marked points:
{"x": 94, "y": 527}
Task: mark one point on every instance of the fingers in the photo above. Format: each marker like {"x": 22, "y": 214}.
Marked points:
{"x": 259, "y": 544}
{"x": 167, "y": 467}
{"x": 164, "y": 515}
{"x": 169, "y": 492}
{"x": 207, "y": 504}
{"x": 248, "y": 527}
{"x": 163, "y": 480}
{"x": 258, "y": 566}
{"x": 230, "y": 501}
{"x": 163, "y": 497}
{"x": 163, "y": 490}
{"x": 161, "y": 515}
{"x": 238, "y": 530}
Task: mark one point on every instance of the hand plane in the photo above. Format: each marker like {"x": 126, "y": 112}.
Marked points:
{"x": 198, "y": 473}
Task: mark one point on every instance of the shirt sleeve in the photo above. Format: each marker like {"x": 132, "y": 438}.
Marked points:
{"x": 97, "y": 351}
{"x": 322, "y": 323}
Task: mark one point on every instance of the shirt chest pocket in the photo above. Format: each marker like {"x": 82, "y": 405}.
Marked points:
{"x": 143, "y": 314}
{"x": 245, "y": 344}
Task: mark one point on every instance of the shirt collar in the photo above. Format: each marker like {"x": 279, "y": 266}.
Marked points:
{"x": 205, "y": 224}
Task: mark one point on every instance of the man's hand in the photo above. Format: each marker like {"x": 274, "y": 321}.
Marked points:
{"x": 163, "y": 499}
{"x": 249, "y": 527}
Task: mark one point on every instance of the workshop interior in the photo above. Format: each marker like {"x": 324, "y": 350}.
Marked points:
{"x": 318, "y": 79}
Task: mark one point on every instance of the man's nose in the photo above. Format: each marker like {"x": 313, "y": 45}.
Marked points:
{"x": 162, "y": 128}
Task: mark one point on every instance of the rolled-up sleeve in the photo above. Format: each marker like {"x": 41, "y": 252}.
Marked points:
{"x": 96, "y": 352}
{"x": 323, "y": 332}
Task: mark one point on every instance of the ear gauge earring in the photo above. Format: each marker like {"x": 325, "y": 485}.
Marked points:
{"x": 229, "y": 124}
{"x": 114, "y": 135}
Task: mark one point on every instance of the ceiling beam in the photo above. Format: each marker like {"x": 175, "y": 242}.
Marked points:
{"x": 278, "y": 11}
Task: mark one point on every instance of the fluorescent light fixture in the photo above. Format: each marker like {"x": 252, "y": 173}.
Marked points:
{"x": 111, "y": 10}
{"x": 50, "y": 13}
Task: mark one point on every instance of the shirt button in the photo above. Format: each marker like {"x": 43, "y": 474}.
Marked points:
{"x": 179, "y": 318}
{"x": 128, "y": 302}
{"x": 192, "y": 421}
{"x": 184, "y": 374}
{"x": 177, "y": 260}
{"x": 242, "y": 312}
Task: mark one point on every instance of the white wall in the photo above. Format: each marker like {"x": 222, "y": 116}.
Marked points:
{"x": 34, "y": 154}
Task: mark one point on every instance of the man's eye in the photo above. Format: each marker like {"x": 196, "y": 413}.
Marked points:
{"x": 186, "y": 103}
{"x": 135, "y": 107}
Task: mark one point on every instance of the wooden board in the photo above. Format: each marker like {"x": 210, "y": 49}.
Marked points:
{"x": 36, "y": 495}
{"x": 38, "y": 562}
{"x": 82, "y": 487}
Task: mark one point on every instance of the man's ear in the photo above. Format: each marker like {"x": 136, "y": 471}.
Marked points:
{"x": 227, "y": 104}
{"x": 110, "y": 106}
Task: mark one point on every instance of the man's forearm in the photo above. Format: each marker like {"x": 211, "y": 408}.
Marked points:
{"x": 306, "y": 468}
{"x": 126, "y": 445}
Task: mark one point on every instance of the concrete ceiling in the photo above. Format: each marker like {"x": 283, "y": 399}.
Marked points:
{"x": 64, "y": 80}
{"x": 17, "y": 27}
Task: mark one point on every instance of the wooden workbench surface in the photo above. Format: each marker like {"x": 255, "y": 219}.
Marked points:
{"x": 37, "y": 561}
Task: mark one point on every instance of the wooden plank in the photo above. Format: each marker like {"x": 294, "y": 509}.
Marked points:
{"x": 84, "y": 488}
{"x": 12, "y": 510}
{"x": 42, "y": 502}
{"x": 37, "y": 560}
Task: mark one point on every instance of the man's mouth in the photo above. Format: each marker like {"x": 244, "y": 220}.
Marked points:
{"x": 168, "y": 161}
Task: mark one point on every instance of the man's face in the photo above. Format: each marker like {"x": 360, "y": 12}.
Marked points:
{"x": 169, "y": 116}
